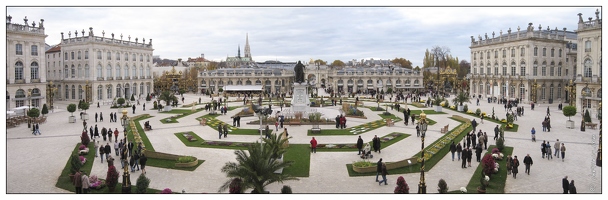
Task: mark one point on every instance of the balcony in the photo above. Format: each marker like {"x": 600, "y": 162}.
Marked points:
{"x": 100, "y": 78}
{"x": 19, "y": 81}
{"x": 35, "y": 80}
{"x": 110, "y": 78}
{"x": 134, "y": 77}
{"x": 142, "y": 77}
{"x": 119, "y": 78}
{"x": 127, "y": 78}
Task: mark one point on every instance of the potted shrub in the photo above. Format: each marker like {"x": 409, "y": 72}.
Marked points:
{"x": 314, "y": 119}
{"x": 437, "y": 101}
{"x": 442, "y": 187}
{"x": 112, "y": 178}
{"x": 45, "y": 109}
{"x": 569, "y": 111}
{"x": 460, "y": 99}
{"x": 402, "y": 187}
{"x": 85, "y": 106}
{"x": 465, "y": 108}
{"x": 142, "y": 184}
{"x": 120, "y": 101}
{"x": 72, "y": 109}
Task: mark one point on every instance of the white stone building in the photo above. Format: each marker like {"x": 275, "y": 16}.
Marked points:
{"x": 589, "y": 56}
{"x": 99, "y": 69}
{"x": 25, "y": 64}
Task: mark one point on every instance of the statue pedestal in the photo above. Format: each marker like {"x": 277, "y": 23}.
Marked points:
{"x": 300, "y": 101}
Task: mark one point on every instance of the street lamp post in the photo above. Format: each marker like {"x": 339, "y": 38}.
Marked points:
{"x": 126, "y": 177}
{"x": 423, "y": 126}
{"x": 583, "y": 95}
{"x": 29, "y": 106}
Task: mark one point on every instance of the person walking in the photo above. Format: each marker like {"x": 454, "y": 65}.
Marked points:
{"x": 116, "y": 148}
{"x": 515, "y": 165}
{"x": 225, "y": 130}
{"x": 453, "y": 149}
{"x": 360, "y": 144}
{"x": 110, "y": 132}
{"x": 458, "y": 150}
{"x": 474, "y": 123}
{"x": 378, "y": 168}
{"x": 496, "y": 130}
{"x": 548, "y": 151}
{"x": 465, "y": 154}
{"x": 78, "y": 182}
{"x": 142, "y": 162}
{"x": 478, "y": 152}
{"x": 557, "y": 148}
{"x": 100, "y": 116}
{"x": 485, "y": 141}
{"x": 130, "y": 146}
{"x": 267, "y": 132}
{"x": 114, "y": 116}
{"x": 528, "y": 162}
{"x": 572, "y": 188}
{"x": 85, "y": 182}
{"x": 481, "y": 119}
{"x": 376, "y": 144}
{"x": 136, "y": 157}
{"x": 565, "y": 185}
{"x": 133, "y": 109}
{"x": 563, "y": 151}
{"x": 543, "y": 149}
{"x": 102, "y": 151}
{"x": 107, "y": 149}
{"x": 96, "y": 131}
{"x": 144, "y": 106}
{"x": 219, "y": 129}
{"x": 468, "y": 140}
{"x": 111, "y": 117}
{"x": 95, "y": 116}
{"x": 92, "y": 133}
{"x": 313, "y": 145}
{"x": 276, "y": 126}
{"x": 480, "y": 140}
{"x": 116, "y": 134}
{"x": 384, "y": 173}
{"x": 417, "y": 130}
{"x": 469, "y": 155}
{"x": 533, "y": 132}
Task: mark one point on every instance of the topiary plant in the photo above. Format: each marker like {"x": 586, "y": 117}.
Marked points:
{"x": 402, "y": 187}
{"x": 45, "y": 109}
{"x": 465, "y": 108}
{"x": 34, "y": 112}
{"x": 286, "y": 190}
{"x": 120, "y": 101}
{"x": 75, "y": 164}
{"x": 569, "y": 111}
{"x": 442, "y": 187}
{"x": 85, "y": 106}
{"x": 142, "y": 184}
{"x": 112, "y": 176}
{"x": 500, "y": 143}
{"x": 84, "y": 138}
{"x": 587, "y": 116}
{"x": 478, "y": 112}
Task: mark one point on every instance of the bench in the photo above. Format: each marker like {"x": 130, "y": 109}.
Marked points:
{"x": 315, "y": 130}
{"x": 591, "y": 125}
{"x": 445, "y": 129}
{"x": 294, "y": 123}
{"x": 389, "y": 122}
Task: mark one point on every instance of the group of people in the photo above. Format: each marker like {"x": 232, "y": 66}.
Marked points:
{"x": 129, "y": 154}
{"x": 113, "y": 116}
{"x": 105, "y": 133}
{"x": 341, "y": 121}
{"x": 407, "y": 115}
{"x": 545, "y": 149}
{"x": 365, "y": 152}
{"x": 81, "y": 182}
{"x": 546, "y": 124}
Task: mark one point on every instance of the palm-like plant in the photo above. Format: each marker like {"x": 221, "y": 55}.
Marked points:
{"x": 167, "y": 97}
{"x": 256, "y": 167}
{"x": 461, "y": 98}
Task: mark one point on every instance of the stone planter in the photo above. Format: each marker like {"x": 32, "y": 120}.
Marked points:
{"x": 72, "y": 119}
{"x": 364, "y": 169}
{"x": 438, "y": 108}
{"x": 167, "y": 108}
{"x": 185, "y": 165}
{"x": 460, "y": 108}
{"x": 570, "y": 124}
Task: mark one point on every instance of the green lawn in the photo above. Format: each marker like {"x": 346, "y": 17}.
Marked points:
{"x": 497, "y": 181}
{"x": 356, "y": 130}
{"x": 201, "y": 143}
{"x": 428, "y": 112}
{"x": 354, "y": 149}
{"x": 142, "y": 134}
{"x": 514, "y": 129}
{"x": 212, "y": 122}
{"x": 181, "y": 113}
{"x": 300, "y": 154}
{"x": 429, "y": 164}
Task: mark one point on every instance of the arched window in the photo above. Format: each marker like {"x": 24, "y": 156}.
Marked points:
{"x": 134, "y": 69}
{"x": 522, "y": 52}
{"x": 134, "y": 57}
{"x": 99, "y": 71}
{"x": 99, "y": 55}
{"x": 65, "y": 56}
{"x": 543, "y": 89}
{"x": 248, "y": 82}
{"x": 117, "y": 56}
{"x": 34, "y": 51}
{"x": 73, "y": 71}
{"x": 126, "y": 57}
{"x": 19, "y": 70}
{"x": 148, "y": 71}
{"x": 87, "y": 71}
{"x": 73, "y": 92}
{"x": 544, "y": 51}
{"x": 72, "y": 55}
{"x": 513, "y": 68}
{"x": 535, "y": 51}
{"x": 552, "y": 69}
{"x": 544, "y": 68}
{"x": 126, "y": 71}
{"x": 535, "y": 68}
{"x": 522, "y": 68}
{"x": 141, "y": 70}
{"x": 587, "y": 67}
{"x": 19, "y": 50}
{"x": 66, "y": 73}
{"x": 504, "y": 68}
{"x": 67, "y": 92}
{"x": 559, "y": 91}
{"x": 141, "y": 58}
{"x": 552, "y": 52}
{"x": 118, "y": 71}
{"x": 79, "y": 55}
{"x": 109, "y": 71}
{"x": 99, "y": 92}
{"x": 512, "y": 52}
{"x": 86, "y": 55}
{"x": 109, "y": 57}
{"x": 109, "y": 92}
{"x": 80, "y": 92}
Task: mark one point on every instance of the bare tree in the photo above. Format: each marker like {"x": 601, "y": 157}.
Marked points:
{"x": 440, "y": 54}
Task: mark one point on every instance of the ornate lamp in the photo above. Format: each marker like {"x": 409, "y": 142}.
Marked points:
{"x": 423, "y": 126}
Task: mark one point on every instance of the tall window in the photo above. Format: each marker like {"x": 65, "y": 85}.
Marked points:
{"x": 109, "y": 91}
{"x": 504, "y": 53}
{"x": 551, "y": 91}
{"x": 495, "y": 54}
{"x": 474, "y": 56}
{"x": 73, "y": 92}
{"x": 117, "y": 56}
{"x": 67, "y": 92}
{"x": 19, "y": 49}
{"x": 141, "y": 58}
{"x": 559, "y": 53}
{"x": 18, "y": 71}
{"x": 488, "y": 55}
{"x": 99, "y": 71}
{"x": 522, "y": 52}
{"x": 141, "y": 70}
{"x": 544, "y": 69}
{"x": 34, "y": 50}
{"x": 587, "y": 67}
{"x": 587, "y": 46}
{"x": 79, "y": 71}
{"x": 98, "y": 54}
{"x": 522, "y": 89}
{"x": 489, "y": 69}
{"x": 147, "y": 58}
{"x": 512, "y": 52}
{"x": 73, "y": 70}
{"x": 79, "y": 91}
{"x": 65, "y": 56}
{"x": 87, "y": 71}
{"x": 559, "y": 69}
{"x": 543, "y": 89}
{"x": 134, "y": 68}
{"x": 133, "y": 58}
{"x": 535, "y": 51}
{"x": 66, "y": 73}
{"x": 148, "y": 71}
{"x": 481, "y": 70}
{"x": 552, "y": 52}
{"x": 522, "y": 68}
{"x": 109, "y": 71}
{"x": 126, "y": 57}
{"x": 72, "y": 55}
{"x": 126, "y": 70}
{"x": 79, "y": 55}
{"x": 86, "y": 55}
{"x": 535, "y": 69}
{"x": 34, "y": 71}
{"x": 109, "y": 57}
{"x": 559, "y": 91}
{"x": 118, "y": 71}
{"x": 496, "y": 68}
{"x": 552, "y": 69}
{"x": 504, "y": 68}
{"x": 99, "y": 92}
{"x": 513, "y": 69}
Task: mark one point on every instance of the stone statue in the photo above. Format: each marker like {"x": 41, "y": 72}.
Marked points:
{"x": 472, "y": 39}
{"x": 299, "y": 70}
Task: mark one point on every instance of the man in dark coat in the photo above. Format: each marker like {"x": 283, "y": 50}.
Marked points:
{"x": 104, "y": 132}
{"x": 376, "y": 143}
{"x": 107, "y": 150}
{"x": 468, "y": 140}
{"x": 469, "y": 155}
{"x": 496, "y": 130}
{"x": 458, "y": 150}
{"x": 565, "y": 184}
{"x": 474, "y": 139}
{"x": 515, "y": 165}
{"x": 111, "y": 117}
{"x": 337, "y": 121}
{"x": 130, "y": 147}
{"x": 528, "y": 162}
{"x": 378, "y": 168}
{"x": 100, "y": 116}
{"x": 114, "y": 116}
{"x": 96, "y": 117}
{"x": 465, "y": 154}
{"x": 474, "y": 123}
{"x": 359, "y": 144}
{"x": 478, "y": 150}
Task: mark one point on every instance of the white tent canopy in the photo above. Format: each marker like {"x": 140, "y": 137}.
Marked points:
{"x": 236, "y": 88}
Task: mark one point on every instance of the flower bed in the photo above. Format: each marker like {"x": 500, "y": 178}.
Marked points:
{"x": 353, "y": 146}
{"x": 446, "y": 139}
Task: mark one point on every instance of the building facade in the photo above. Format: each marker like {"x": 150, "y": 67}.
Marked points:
{"x": 99, "y": 69}
{"x": 25, "y": 64}
{"x": 589, "y": 55}
{"x": 510, "y": 65}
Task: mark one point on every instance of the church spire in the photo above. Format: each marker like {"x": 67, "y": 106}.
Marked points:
{"x": 247, "y": 49}
{"x": 239, "y": 53}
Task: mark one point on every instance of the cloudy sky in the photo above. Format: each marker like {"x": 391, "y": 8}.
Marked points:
{"x": 300, "y": 33}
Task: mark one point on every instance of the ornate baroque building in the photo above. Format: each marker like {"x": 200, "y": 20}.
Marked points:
{"x": 99, "y": 69}
{"x": 589, "y": 55}
{"x": 25, "y": 64}
{"x": 509, "y": 65}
